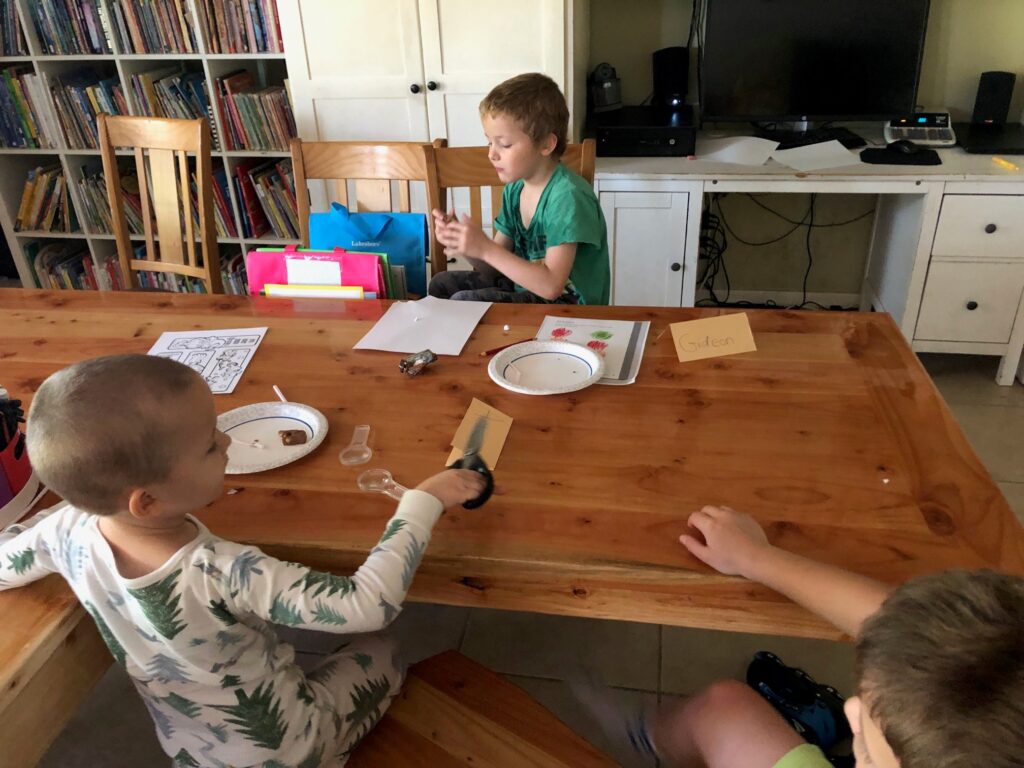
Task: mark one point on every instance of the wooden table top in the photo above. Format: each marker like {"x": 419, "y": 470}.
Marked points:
{"x": 831, "y": 434}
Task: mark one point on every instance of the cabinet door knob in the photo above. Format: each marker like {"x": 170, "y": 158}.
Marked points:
{"x": 415, "y": 88}
{"x": 432, "y": 86}
{"x": 451, "y": 260}
{"x": 990, "y": 228}
{"x": 971, "y": 306}
{"x": 676, "y": 266}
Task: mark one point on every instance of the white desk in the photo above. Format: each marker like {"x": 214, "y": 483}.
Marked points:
{"x": 951, "y": 281}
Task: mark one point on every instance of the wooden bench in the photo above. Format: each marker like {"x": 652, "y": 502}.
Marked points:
{"x": 454, "y": 712}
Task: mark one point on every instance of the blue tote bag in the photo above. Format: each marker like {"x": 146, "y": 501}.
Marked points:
{"x": 402, "y": 236}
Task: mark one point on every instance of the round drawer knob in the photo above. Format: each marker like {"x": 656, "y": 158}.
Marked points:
{"x": 451, "y": 260}
{"x": 676, "y": 266}
{"x": 971, "y": 306}
{"x": 431, "y": 86}
{"x": 990, "y": 228}
{"x": 414, "y": 88}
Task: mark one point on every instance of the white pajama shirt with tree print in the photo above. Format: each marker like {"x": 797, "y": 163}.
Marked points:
{"x": 194, "y": 635}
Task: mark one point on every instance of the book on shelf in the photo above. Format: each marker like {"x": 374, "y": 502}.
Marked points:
{"x": 254, "y": 119}
{"x": 26, "y": 119}
{"x": 233, "y": 275}
{"x": 176, "y": 93}
{"x": 68, "y": 265}
{"x": 12, "y": 38}
{"x": 241, "y": 26}
{"x": 275, "y": 187}
{"x": 154, "y": 26}
{"x": 92, "y": 189}
{"x": 223, "y": 220}
{"x": 78, "y": 98}
{"x": 69, "y": 27}
{"x": 45, "y": 202}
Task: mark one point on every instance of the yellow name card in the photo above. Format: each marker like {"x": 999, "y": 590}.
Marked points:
{"x": 713, "y": 337}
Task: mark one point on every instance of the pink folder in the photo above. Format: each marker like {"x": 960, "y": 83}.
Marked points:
{"x": 294, "y": 266}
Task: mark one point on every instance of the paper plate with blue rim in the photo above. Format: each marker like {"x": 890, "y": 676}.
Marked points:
{"x": 546, "y": 368}
{"x": 255, "y": 443}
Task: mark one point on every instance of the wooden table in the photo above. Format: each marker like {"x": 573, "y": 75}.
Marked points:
{"x": 832, "y": 435}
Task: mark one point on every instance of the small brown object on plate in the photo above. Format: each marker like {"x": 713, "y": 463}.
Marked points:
{"x": 292, "y": 436}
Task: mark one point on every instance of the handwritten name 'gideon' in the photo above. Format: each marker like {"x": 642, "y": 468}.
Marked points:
{"x": 708, "y": 342}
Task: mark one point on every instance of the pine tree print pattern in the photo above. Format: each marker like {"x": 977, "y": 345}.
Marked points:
{"x": 258, "y": 717}
{"x": 116, "y": 649}
{"x": 413, "y": 554}
{"x": 160, "y": 605}
{"x": 22, "y": 561}
{"x": 285, "y": 612}
{"x": 184, "y": 760}
{"x": 319, "y": 582}
{"x": 326, "y": 614}
{"x": 242, "y": 569}
{"x": 366, "y": 705}
{"x": 220, "y": 610}
{"x": 166, "y": 670}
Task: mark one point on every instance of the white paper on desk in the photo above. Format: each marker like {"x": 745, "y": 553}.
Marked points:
{"x": 220, "y": 356}
{"x": 738, "y": 150}
{"x": 813, "y": 157}
{"x": 439, "y": 325}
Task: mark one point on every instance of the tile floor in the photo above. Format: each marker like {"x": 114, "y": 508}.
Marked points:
{"x": 539, "y": 653}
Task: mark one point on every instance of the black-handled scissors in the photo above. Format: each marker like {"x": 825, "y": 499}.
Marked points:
{"x": 471, "y": 459}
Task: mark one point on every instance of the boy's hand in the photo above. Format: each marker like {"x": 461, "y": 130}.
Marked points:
{"x": 732, "y": 539}
{"x": 461, "y": 237}
{"x": 453, "y": 486}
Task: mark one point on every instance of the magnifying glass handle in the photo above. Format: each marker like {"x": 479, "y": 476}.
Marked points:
{"x": 476, "y": 464}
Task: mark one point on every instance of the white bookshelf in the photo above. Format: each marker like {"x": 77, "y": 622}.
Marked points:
{"x": 267, "y": 69}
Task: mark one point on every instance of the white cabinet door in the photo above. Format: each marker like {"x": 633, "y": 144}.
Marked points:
{"x": 469, "y": 46}
{"x": 647, "y": 243}
{"x": 351, "y": 67}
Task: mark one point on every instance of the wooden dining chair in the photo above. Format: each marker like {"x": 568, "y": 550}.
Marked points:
{"x": 161, "y": 147}
{"x": 469, "y": 167}
{"x": 454, "y": 713}
{"x": 370, "y": 166}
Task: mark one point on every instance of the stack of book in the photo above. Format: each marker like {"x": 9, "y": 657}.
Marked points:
{"x": 68, "y": 265}
{"x": 154, "y": 26}
{"x": 266, "y": 195}
{"x": 92, "y": 189}
{"x": 78, "y": 98}
{"x": 254, "y": 119}
{"x": 223, "y": 219}
{"x": 233, "y": 276}
{"x": 46, "y": 203}
{"x": 12, "y": 39}
{"x": 26, "y": 119}
{"x": 241, "y": 26}
{"x": 69, "y": 26}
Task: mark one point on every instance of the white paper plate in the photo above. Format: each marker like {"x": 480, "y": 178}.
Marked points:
{"x": 261, "y": 421}
{"x": 546, "y": 367}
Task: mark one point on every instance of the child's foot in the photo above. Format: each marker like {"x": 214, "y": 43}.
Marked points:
{"x": 814, "y": 710}
{"x": 622, "y": 724}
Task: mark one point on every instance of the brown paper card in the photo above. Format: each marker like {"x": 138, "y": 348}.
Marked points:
{"x": 495, "y": 433}
{"x": 713, "y": 337}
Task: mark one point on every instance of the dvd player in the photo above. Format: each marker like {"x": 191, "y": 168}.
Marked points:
{"x": 644, "y": 132}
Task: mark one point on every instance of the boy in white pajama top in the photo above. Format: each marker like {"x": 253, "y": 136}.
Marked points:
{"x": 186, "y": 613}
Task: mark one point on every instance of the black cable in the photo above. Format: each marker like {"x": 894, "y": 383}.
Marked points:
{"x": 807, "y": 243}
{"x": 729, "y": 229}
{"x": 820, "y": 226}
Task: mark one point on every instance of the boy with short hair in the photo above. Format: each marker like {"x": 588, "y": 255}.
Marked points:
{"x": 940, "y": 663}
{"x": 131, "y": 443}
{"x": 550, "y": 241}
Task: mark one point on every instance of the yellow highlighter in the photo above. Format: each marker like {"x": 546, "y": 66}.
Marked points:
{"x": 1002, "y": 163}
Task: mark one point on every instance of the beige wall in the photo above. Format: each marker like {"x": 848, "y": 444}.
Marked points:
{"x": 965, "y": 38}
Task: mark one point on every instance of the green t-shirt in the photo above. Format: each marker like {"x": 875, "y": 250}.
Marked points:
{"x": 567, "y": 212}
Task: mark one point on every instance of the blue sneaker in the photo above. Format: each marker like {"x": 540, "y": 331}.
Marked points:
{"x": 815, "y": 711}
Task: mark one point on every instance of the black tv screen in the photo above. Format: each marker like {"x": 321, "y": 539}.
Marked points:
{"x": 774, "y": 60}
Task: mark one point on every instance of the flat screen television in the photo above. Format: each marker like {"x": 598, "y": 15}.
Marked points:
{"x": 811, "y": 60}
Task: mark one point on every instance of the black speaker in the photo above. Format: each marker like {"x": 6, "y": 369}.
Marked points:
{"x": 671, "y": 73}
{"x": 995, "y": 89}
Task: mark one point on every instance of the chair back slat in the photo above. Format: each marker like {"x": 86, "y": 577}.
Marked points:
{"x": 163, "y": 149}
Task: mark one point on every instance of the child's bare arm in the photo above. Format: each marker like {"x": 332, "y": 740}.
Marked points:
{"x": 736, "y": 545}
{"x": 545, "y": 278}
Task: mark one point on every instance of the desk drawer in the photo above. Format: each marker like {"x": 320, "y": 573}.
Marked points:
{"x": 970, "y": 301}
{"x": 982, "y": 226}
